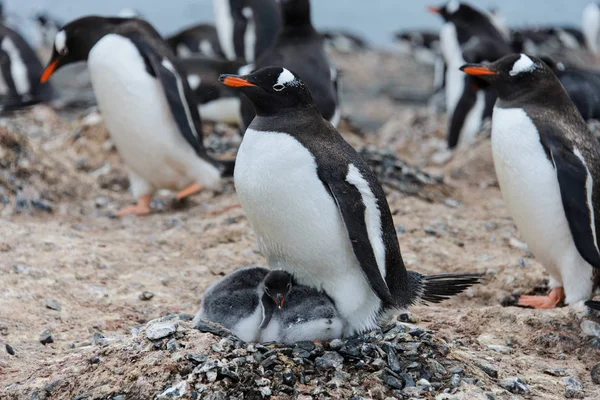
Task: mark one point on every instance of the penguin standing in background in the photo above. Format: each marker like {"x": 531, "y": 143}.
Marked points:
{"x": 199, "y": 39}
{"x": 591, "y": 27}
{"x": 20, "y": 70}
{"x": 318, "y": 210}
{"x": 146, "y": 102}
{"x": 468, "y": 35}
{"x": 300, "y": 48}
{"x": 548, "y": 167}
{"x": 246, "y": 28}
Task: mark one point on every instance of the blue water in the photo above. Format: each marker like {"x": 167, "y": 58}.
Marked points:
{"x": 376, "y": 20}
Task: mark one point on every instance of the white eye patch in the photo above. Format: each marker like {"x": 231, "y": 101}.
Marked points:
{"x": 452, "y": 7}
{"x": 60, "y": 42}
{"x": 285, "y": 77}
{"x": 523, "y": 64}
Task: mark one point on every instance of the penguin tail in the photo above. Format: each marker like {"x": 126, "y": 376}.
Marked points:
{"x": 594, "y": 305}
{"x": 437, "y": 288}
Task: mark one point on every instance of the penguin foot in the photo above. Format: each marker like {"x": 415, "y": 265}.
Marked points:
{"x": 190, "y": 190}
{"x": 141, "y": 208}
{"x": 554, "y": 298}
{"x": 224, "y": 209}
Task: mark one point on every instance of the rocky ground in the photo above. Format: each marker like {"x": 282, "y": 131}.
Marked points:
{"x": 94, "y": 307}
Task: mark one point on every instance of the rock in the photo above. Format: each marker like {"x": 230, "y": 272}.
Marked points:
{"x": 499, "y": 348}
{"x": 98, "y": 339}
{"x": 145, "y": 296}
{"x": 556, "y": 372}
{"x": 172, "y": 345}
{"x": 329, "y": 360}
{"x": 211, "y": 327}
{"x": 336, "y": 344}
{"x": 393, "y": 381}
{"x": 514, "y": 385}
{"x": 408, "y": 318}
{"x": 53, "y": 305}
{"x": 455, "y": 381}
{"x": 156, "y": 330}
{"x": 595, "y": 372}
{"x": 10, "y": 350}
{"x": 517, "y": 244}
{"x": 590, "y": 328}
{"x": 488, "y": 368}
{"x": 289, "y": 378}
{"x": 46, "y": 337}
{"x": 392, "y": 360}
{"x": 573, "y": 388}
{"x": 174, "y": 392}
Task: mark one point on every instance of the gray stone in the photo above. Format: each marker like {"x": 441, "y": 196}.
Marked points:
{"x": 98, "y": 339}
{"x": 175, "y": 392}
{"x": 590, "y": 328}
{"x": 156, "y": 330}
{"x": 595, "y": 373}
{"x": 53, "y": 305}
{"x": 46, "y": 337}
{"x": 145, "y": 296}
{"x": 329, "y": 360}
{"x": 573, "y": 388}
{"x": 488, "y": 368}
{"x": 336, "y": 344}
{"x": 514, "y": 385}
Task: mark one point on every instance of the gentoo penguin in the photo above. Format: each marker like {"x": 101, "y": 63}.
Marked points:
{"x": 548, "y": 166}
{"x": 300, "y": 48}
{"x": 146, "y": 102}
{"x": 307, "y": 315}
{"x": 217, "y": 103}
{"x": 343, "y": 41}
{"x": 47, "y": 28}
{"x": 540, "y": 41}
{"x": 20, "y": 70}
{"x": 246, "y": 28}
{"x": 317, "y": 209}
{"x": 422, "y": 45}
{"x": 591, "y": 27}
{"x": 201, "y": 39}
{"x": 468, "y": 35}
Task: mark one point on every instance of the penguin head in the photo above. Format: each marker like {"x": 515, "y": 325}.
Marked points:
{"x": 278, "y": 285}
{"x": 271, "y": 89}
{"x": 513, "y": 74}
{"x": 295, "y": 12}
{"x": 454, "y": 10}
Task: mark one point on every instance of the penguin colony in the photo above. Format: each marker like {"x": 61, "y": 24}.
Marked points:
{"x": 320, "y": 215}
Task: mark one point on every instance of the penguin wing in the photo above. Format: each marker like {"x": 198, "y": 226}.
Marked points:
{"x": 178, "y": 93}
{"x": 576, "y": 189}
{"x": 353, "y": 209}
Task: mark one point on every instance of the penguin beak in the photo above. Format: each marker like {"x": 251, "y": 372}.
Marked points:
{"x": 434, "y": 10}
{"x": 50, "y": 69}
{"x": 279, "y": 300}
{"x": 477, "y": 70}
{"x": 235, "y": 81}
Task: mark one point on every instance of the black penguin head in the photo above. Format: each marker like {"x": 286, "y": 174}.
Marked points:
{"x": 271, "y": 89}
{"x": 278, "y": 285}
{"x": 455, "y": 11}
{"x": 74, "y": 41}
{"x": 513, "y": 74}
{"x": 295, "y": 13}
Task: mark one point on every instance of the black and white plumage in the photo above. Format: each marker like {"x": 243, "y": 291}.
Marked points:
{"x": 541, "y": 41}
{"x": 548, "y": 167}
{"x": 318, "y": 210}
{"x": 47, "y": 27}
{"x": 299, "y": 47}
{"x": 468, "y": 35}
{"x": 591, "y": 27}
{"x": 422, "y": 45}
{"x": 146, "y": 102}
{"x": 343, "y": 41}
{"x": 201, "y": 39}
{"x": 246, "y": 28}
{"x": 20, "y": 70}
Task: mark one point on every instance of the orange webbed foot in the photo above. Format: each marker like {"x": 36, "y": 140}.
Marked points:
{"x": 190, "y": 190}
{"x": 141, "y": 208}
{"x": 554, "y": 298}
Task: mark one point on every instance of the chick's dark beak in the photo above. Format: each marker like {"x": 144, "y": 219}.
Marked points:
{"x": 235, "y": 81}
{"x": 50, "y": 69}
{"x": 279, "y": 300}
{"x": 477, "y": 70}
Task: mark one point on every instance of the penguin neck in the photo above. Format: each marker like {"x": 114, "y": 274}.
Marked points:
{"x": 275, "y": 110}
{"x": 552, "y": 92}
{"x": 269, "y": 308}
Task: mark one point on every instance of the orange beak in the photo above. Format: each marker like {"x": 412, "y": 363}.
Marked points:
{"x": 477, "y": 70}
{"x": 235, "y": 81}
{"x": 49, "y": 70}
{"x": 434, "y": 10}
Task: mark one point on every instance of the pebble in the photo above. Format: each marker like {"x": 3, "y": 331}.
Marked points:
{"x": 595, "y": 372}
{"x": 46, "y": 337}
{"x": 408, "y": 318}
{"x": 514, "y": 385}
{"x": 500, "y": 348}
{"x": 160, "y": 329}
{"x": 53, "y": 305}
{"x": 10, "y": 350}
{"x": 488, "y": 368}
{"x": 328, "y": 361}
{"x": 211, "y": 327}
{"x": 174, "y": 392}
{"x": 392, "y": 381}
{"x": 590, "y": 328}
{"x": 145, "y": 296}
{"x": 517, "y": 244}
{"x": 556, "y": 372}
{"x": 455, "y": 380}
{"x": 172, "y": 345}
{"x": 99, "y": 339}
{"x": 573, "y": 388}
{"x": 336, "y": 344}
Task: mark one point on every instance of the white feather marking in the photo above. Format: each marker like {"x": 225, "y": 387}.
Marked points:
{"x": 523, "y": 64}
{"x": 183, "y": 51}
{"x": 453, "y": 7}
{"x": 372, "y": 215}
{"x": 285, "y": 77}
{"x": 591, "y": 26}
{"x": 249, "y": 35}
{"x": 60, "y": 42}
{"x": 18, "y": 69}
{"x": 194, "y": 81}
{"x": 205, "y": 47}
{"x": 168, "y": 65}
{"x": 224, "y": 24}
{"x": 589, "y": 187}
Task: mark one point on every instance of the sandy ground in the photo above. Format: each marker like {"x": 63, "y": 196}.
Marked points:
{"x": 97, "y": 267}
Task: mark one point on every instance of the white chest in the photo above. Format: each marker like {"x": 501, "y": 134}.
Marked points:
{"x": 453, "y": 56}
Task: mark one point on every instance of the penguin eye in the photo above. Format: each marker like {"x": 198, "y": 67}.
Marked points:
{"x": 278, "y": 87}
{"x": 64, "y": 51}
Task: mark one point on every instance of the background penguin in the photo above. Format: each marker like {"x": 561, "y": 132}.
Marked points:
{"x": 199, "y": 39}
{"x": 318, "y": 210}
{"x": 591, "y": 27}
{"x": 469, "y": 35}
{"x": 300, "y": 48}
{"x": 548, "y": 167}
{"x": 343, "y": 41}
{"x": 217, "y": 103}
{"x": 423, "y": 45}
{"x": 47, "y": 28}
{"x": 146, "y": 102}
{"x": 20, "y": 70}
{"x": 246, "y": 28}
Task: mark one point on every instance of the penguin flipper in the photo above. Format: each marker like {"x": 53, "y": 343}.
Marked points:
{"x": 352, "y": 208}
{"x": 178, "y": 93}
{"x": 594, "y": 305}
{"x": 462, "y": 109}
{"x": 573, "y": 179}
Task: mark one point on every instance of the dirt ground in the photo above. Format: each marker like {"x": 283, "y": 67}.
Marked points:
{"x": 97, "y": 267}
